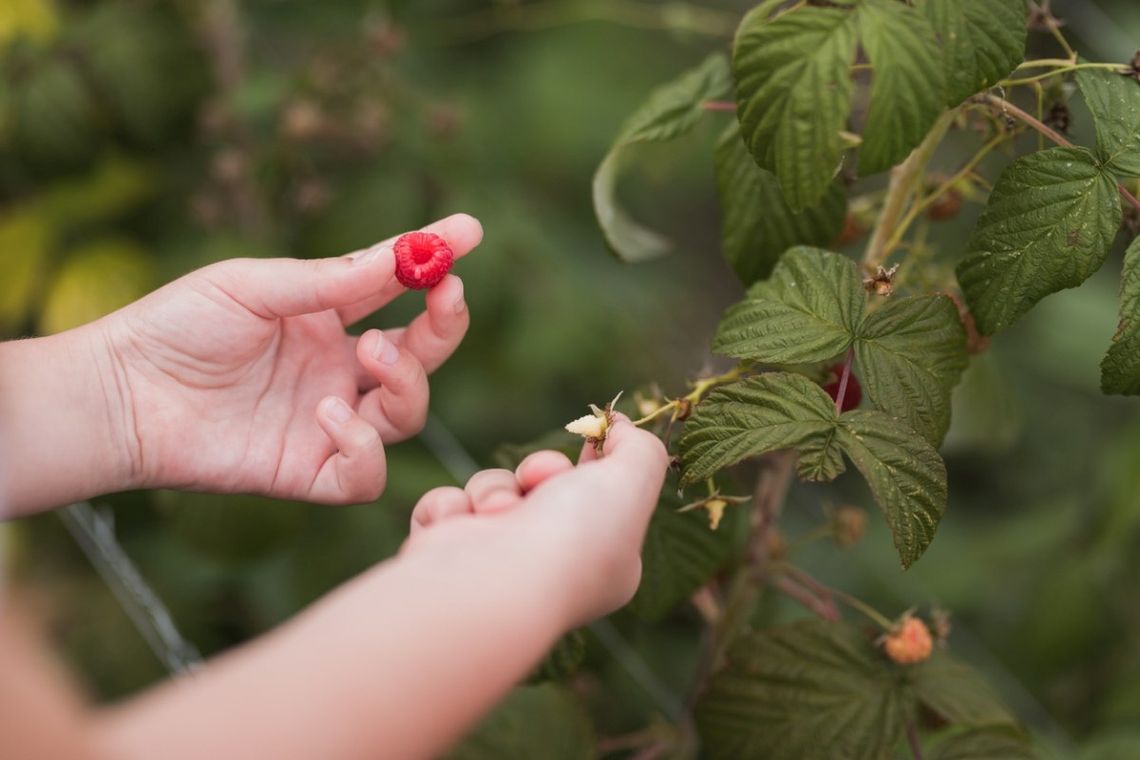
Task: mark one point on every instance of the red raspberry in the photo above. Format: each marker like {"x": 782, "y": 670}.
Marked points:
{"x": 854, "y": 393}
{"x": 422, "y": 260}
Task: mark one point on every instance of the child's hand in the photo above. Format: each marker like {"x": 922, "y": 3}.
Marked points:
{"x": 592, "y": 516}
{"x": 241, "y": 377}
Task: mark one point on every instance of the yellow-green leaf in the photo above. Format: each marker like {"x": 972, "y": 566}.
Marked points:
{"x": 95, "y": 280}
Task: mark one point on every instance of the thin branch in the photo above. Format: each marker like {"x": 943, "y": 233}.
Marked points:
{"x": 843, "y": 380}
{"x": 1052, "y": 134}
{"x": 824, "y": 609}
{"x": 912, "y": 739}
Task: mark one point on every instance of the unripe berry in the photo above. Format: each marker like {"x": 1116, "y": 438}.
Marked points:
{"x": 909, "y": 643}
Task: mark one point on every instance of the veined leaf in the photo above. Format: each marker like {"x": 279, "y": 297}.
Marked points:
{"x": 757, "y": 224}
{"x": 1120, "y": 369}
{"x": 807, "y": 312}
{"x": 982, "y": 42}
{"x": 958, "y": 694}
{"x": 983, "y": 743}
{"x": 680, "y": 553}
{"x": 780, "y": 411}
{"x": 905, "y": 473}
{"x": 804, "y": 691}
{"x": 911, "y": 353}
{"x": 771, "y": 412}
{"x": 671, "y": 111}
{"x": 793, "y": 92}
{"x": 1049, "y": 224}
{"x": 533, "y": 721}
{"x": 907, "y": 85}
{"x": 1114, "y": 101}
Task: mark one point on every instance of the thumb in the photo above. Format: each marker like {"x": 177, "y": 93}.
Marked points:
{"x": 274, "y": 288}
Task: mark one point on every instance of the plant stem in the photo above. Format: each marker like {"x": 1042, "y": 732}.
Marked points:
{"x": 1052, "y": 134}
{"x": 700, "y": 389}
{"x": 1063, "y": 70}
{"x": 718, "y": 105}
{"x": 827, "y": 592}
{"x": 822, "y": 607}
{"x": 912, "y": 739}
{"x": 843, "y": 379}
{"x": 905, "y": 178}
{"x": 918, "y": 208}
{"x": 1055, "y": 30}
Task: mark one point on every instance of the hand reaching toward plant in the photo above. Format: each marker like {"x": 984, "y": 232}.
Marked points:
{"x": 238, "y": 377}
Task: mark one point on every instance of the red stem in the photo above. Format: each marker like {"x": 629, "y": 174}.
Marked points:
{"x": 718, "y": 105}
{"x": 842, "y": 395}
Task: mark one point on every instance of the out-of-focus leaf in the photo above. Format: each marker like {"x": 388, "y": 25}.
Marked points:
{"x": 113, "y": 187}
{"x": 983, "y": 743}
{"x": 957, "y": 693}
{"x": 1050, "y": 221}
{"x": 564, "y": 658}
{"x": 804, "y": 691}
{"x": 1120, "y": 368}
{"x": 670, "y": 111}
{"x": 26, "y": 240}
{"x": 232, "y": 528}
{"x": 532, "y": 722}
{"x": 1117, "y": 745}
{"x": 54, "y": 118}
{"x": 28, "y": 20}
{"x": 95, "y": 280}
{"x": 987, "y": 412}
{"x": 1114, "y": 101}
{"x": 757, "y": 224}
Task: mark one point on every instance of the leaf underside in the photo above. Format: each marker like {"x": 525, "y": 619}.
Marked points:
{"x": 1120, "y": 369}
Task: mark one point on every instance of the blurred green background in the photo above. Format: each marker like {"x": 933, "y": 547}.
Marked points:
{"x": 140, "y": 140}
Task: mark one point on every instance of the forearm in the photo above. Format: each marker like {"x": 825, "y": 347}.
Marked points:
{"x": 61, "y": 437}
{"x": 398, "y": 663}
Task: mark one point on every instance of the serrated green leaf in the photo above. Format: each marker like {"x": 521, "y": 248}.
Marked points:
{"x": 905, "y": 473}
{"x": 779, "y": 411}
{"x": 907, "y": 85}
{"x": 982, "y": 42}
{"x": 957, "y": 693}
{"x": 807, "y": 312}
{"x": 793, "y": 93}
{"x": 680, "y": 553}
{"x": 1049, "y": 224}
{"x": 757, "y": 224}
{"x": 771, "y": 412}
{"x": 983, "y": 743}
{"x": 910, "y": 353}
{"x": 533, "y": 721}
{"x": 1114, "y": 102}
{"x": 804, "y": 691}
{"x": 670, "y": 111}
{"x": 1120, "y": 369}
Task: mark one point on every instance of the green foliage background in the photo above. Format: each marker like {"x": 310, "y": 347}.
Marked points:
{"x": 134, "y": 148}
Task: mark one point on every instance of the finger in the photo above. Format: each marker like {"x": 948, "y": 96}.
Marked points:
{"x": 356, "y": 473}
{"x": 434, "y": 335}
{"x": 398, "y": 407}
{"x": 493, "y": 491}
{"x": 541, "y": 466}
{"x": 639, "y": 456}
{"x": 275, "y": 288}
{"x": 439, "y": 504}
{"x": 462, "y": 233}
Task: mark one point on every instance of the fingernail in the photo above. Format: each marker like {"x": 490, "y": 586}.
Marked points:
{"x": 384, "y": 350}
{"x": 367, "y": 257}
{"x": 338, "y": 411}
{"x": 460, "y": 304}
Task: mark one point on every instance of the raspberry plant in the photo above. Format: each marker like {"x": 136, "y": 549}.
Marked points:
{"x": 817, "y": 99}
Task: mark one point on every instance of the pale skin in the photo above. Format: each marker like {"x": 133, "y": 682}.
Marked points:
{"x": 241, "y": 377}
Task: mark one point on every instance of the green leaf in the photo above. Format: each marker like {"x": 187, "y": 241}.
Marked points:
{"x": 1049, "y": 224}
{"x": 983, "y": 743}
{"x": 564, "y": 658}
{"x": 670, "y": 111}
{"x": 95, "y": 280}
{"x": 793, "y": 92}
{"x": 780, "y": 411}
{"x": 807, "y": 312}
{"x": 957, "y": 693}
{"x": 680, "y": 553}
{"x": 26, "y": 239}
{"x": 757, "y": 224}
{"x": 905, "y": 473}
{"x": 770, "y": 412}
{"x": 911, "y": 352}
{"x": 1114, "y": 101}
{"x": 1120, "y": 369}
{"x": 533, "y": 721}
{"x": 982, "y": 42}
{"x": 805, "y": 690}
{"x": 907, "y": 85}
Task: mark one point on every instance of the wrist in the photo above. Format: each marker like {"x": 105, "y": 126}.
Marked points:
{"x": 64, "y": 421}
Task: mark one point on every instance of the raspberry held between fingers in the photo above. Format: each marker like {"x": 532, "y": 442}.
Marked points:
{"x": 423, "y": 259}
